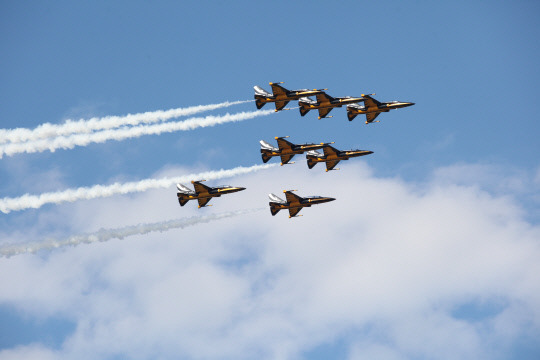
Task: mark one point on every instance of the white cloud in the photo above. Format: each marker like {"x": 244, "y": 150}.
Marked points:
{"x": 388, "y": 261}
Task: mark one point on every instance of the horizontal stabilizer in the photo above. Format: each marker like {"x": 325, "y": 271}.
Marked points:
{"x": 303, "y": 111}
{"x": 259, "y": 103}
{"x": 182, "y": 201}
{"x": 265, "y": 157}
{"x": 274, "y": 209}
{"x": 351, "y": 116}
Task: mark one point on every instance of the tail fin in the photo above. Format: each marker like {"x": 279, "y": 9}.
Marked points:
{"x": 310, "y": 156}
{"x": 274, "y": 209}
{"x": 260, "y": 96}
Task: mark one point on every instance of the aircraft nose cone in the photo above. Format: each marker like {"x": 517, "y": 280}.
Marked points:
{"x": 410, "y": 104}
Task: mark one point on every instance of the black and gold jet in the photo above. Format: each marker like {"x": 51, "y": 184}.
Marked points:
{"x": 325, "y": 103}
{"x": 203, "y": 193}
{"x": 286, "y": 149}
{"x": 372, "y": 108}
{"x": 294, "y": 202}
{"x": 332, "y": 156}
{"x": 281, "y": 96}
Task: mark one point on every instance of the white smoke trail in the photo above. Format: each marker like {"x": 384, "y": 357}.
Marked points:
{"x": 28, "y": 201}
{"x": 83, "y": 126}
{"x": 118, "y": 233}
{"x": 70, "y": 142}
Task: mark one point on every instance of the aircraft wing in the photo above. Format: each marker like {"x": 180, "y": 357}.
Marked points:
{"x": 203, "y": 201}
{"x": 294, "y": 211}
{"x": 331, "y": 164}
{"x": 370, "y": 102}
{"x": 284, "y": 144}
{"x": 292, "y": 197}
{"x": 286, "y": 158}
{"x": 200, "y": 188}
{"x": 330, "y": 150}
{"x": 324, "y": 111}
{"x": 371, "y": 116}
{"x": 321, "y": 98}
{"x": 281, "y": 104}
{"x": 278, "y": 90}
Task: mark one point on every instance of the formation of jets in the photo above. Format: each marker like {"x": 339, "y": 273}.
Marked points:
{"x": 324, "y": 103}
{"x": 286, "y": 150}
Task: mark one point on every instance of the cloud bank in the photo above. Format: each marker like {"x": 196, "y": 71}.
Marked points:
{"x": 390, "y": 270}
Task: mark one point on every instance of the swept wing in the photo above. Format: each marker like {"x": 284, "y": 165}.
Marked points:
{"x": 323, "y": 112}
{"x": 286, "y": 158}
{"x": 292, "y": 197}
{"x": 330, "y": 165}
{"x": 200, "y": 188}
{"x": 281, "y": 104}
{"x": 294, "y": 211}
{"x": 330, "y": 150}
{"x": 203, "y": 201}
{"x": 371, "y": 116}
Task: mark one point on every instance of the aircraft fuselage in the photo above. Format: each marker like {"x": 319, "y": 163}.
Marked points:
{"x": 342, "y": 155}
{"x": 215, "y": 192}
{"x": 297, "y": 149}
{"x": 384, "y": 107}
{"x": 306, "y": 202}
{"x": 332, "y": 104}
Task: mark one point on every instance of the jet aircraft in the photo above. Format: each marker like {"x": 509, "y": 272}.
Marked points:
{"x": 372, "y": 108}
{"x": 203, "y": 193}
{"x": 281, "y": 96}
{"x": 286, "y": 149}
{"x": 294, "y": 202}
{"x": 325, "y": 103}
{"x": 332, "y": 156}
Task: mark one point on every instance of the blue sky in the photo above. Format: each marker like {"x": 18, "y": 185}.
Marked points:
{"x": 469, "y": 147}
